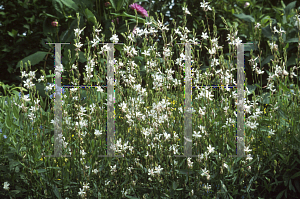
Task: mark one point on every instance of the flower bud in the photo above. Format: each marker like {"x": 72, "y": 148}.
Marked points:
{"x": 247, "y": 4}
{"x": 114, "y": 20}
{"x": 107, "y": 4}
{"x": 54, "y": 23}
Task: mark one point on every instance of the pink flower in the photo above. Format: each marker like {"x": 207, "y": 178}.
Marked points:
{"x": 107, "y": 4}
{"x": 54, "y": 23}
{"x": 139, "y": 9}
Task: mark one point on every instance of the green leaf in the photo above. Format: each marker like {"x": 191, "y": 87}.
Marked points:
{"x": 26, "y": 26}
{"x": 119, "y": 5}
{"x": 251, "y": 89}
{"x": 291, "y": 187}
{"x": 265, "y": 20}
{"x": 70, "y": 4}
{"x": 174, "y": 185}
{"x": 56, "y": 192}
{"x": 281, "y": 86}
{"x": 57, "y": 8}
{"x": 119, "y": 47}
{"x": 21, "y": 119}
{"x": 244, "y": 17}
{"x": 16, "y": 112}
{"x": 249, "y": 47}
{"x": 289, "y": 7}
{"x": 34, "y": 58}
{"x": 266, "y": 31}
{"x": 295, "y": 175}
{"x": 13, "y": 164}
{"x": 292, "y": 60}
{"x": 112, "y": 2}
{"x": 223, "y": 187}
{"x": 68, "y": 35}
{"x": 131, "y": 197}
{"x": 293, "y": 40}
{"x": 82, "y": 58}
{"x": 48, "y": 15}
{"x": 39, "y": 171}
{"x": 136, "y": 1}
{"x": 13, "y": 33}
{"x": 267, "y": 60}
{"x": 8, "y": 121}
{"x": 90, "y": 16}
{"x": 140, "y": 20}
{"x": 40, "y": 87}
{"x": 286, "y": 46}
{"x": 266, "y": 98}
{"x": 297, "y": 184}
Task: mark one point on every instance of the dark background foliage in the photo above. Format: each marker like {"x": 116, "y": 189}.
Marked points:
{"x": 35, "y": 17}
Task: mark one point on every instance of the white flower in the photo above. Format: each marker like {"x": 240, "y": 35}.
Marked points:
{"x": 271, "y": 132}
{"x": 257, "y": 25}
{"x": 197, "y": 134}
{"x": 204, "y": 35}
{"x": 150, "y": 172}
{"x": 78, "y": 45}
{"x": 249, "y": 157}
{"x": 6, "y": 186}
{"x": 74, "y": 66}
{"x": 78, "y": 32}
{"x": 205, "y": 5}
{"x": 190, "y": 163}
{"x": 95, "y": 41}
{"x": 205, "y": 172}
{"x": 95, "y": 171}
{"x": 26, "y": 98}
{"x": 225, "y": 165}
{"x": 82, "y": 152}
{"x": 86, "y": 186}
{"x": 97, "y": 31}
{"x": 186, "y": 11}
{"x": 41, "y": 79}
{"x": 28, "y": 84}
{"x": 97, "y": 132}
{"x": 273, "y": 46}
{"x": 114, "y": 38}
{"x": 81, "y": 192}
{"x": 59, "y": 68}
{"x": 166, "y": 135}
{"x": 33, "y": 109}
{"x": 212, "y": 51}
{"x": 210, "y": 149}
{"x": 32, "y": 74}
{"x": 99, "y": 89}
{"x": 158, "y": 169}
{"x": 246, "y": 149}
{"x": 24, "y": 74}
